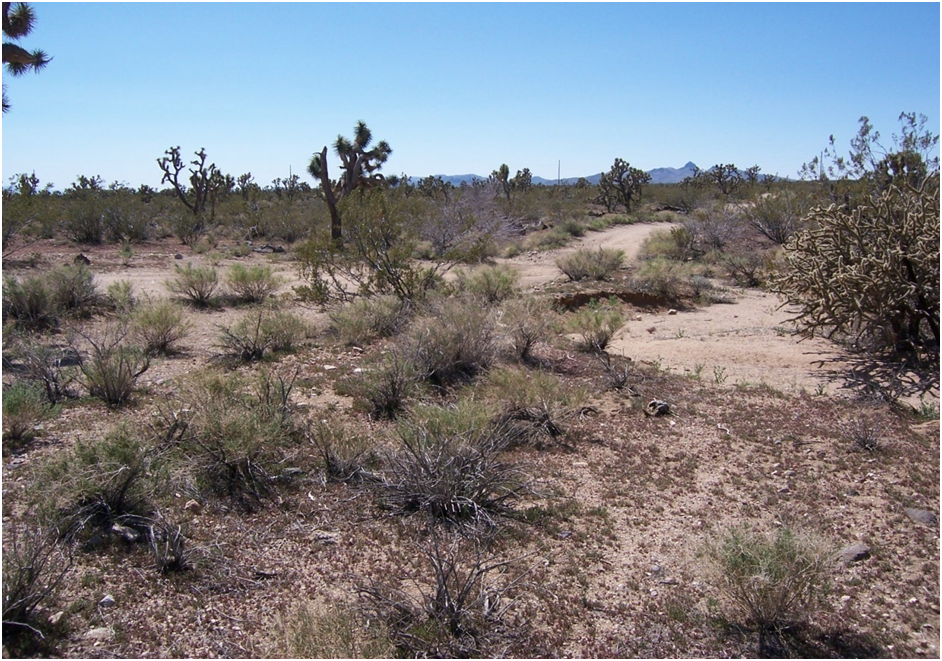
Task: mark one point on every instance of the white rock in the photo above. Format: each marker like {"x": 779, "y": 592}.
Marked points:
{"x": 101, "y": 633}
{"x": 107, "y": 601}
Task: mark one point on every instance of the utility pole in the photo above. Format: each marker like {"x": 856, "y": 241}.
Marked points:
{"x": 558, "y": 163}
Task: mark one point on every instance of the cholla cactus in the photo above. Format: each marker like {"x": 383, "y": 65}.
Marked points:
{"x": 870, "y": 272}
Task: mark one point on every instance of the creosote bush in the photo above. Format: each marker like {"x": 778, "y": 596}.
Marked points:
{"x": 99, "y": 483}
{"x": 365, "y": 319}
{"x": 158, "y": 326}
{"x": 585, "y": 264}
{"x": 252, "y": 284}
{"x": 261, "y": 331}
{"x": 112, "y": 366}
{"x": 24, "y": 406}
{"x": 597, "y": 324}
{"x": 236, "y": 432}
{"x": 448, "y": 465}
{"x": 197, "y": 284}
{"x": 527, "y": 322}
{"x": 74, "y": 290}
{"x": 491, "y": 284}
{"x": 34, "y": 565}
{"x": 29, "y": 303}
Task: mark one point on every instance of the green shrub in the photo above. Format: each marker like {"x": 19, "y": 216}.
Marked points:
{"x": 112, "y": 367}
{"x": 347, "y": 456}
{"x": 771, "y": 580}
{"x": 99, "y": 483}
{"x": 306, "y": 632}
{"x": 491, "y": 284}
{"x": 252, "y": 284}
{"x": 676, "y": 243}
{"x": 197, "y": 284}
{"x": 158, "y": 326}
{"x": 660, "y": 277}
{"x": 366, "y": 318}
{"x": 260, "y": 331}
{"x": 84, "y": 222}
{"x": 448, "y": 465}
{"x": 284, "y": 330}
{"x": 534, "y": 405}
{"x": 24, "y": 406}
{"x": 597, "y": 323}
{"x": 74, "y": 290}
{"x": 238, "y": 434}
{"x": 585, "y": 264}
{"x": 121, "y": 296}
{"x": 455, "y": 342}
{"x": 527, "y": 322}
{"x": 29, "y": 303}
{"x": 389, "y": 386}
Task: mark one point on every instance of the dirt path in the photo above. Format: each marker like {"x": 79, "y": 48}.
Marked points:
{"x": 748, "y": 341}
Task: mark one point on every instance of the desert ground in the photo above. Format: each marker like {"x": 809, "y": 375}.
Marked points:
{"x": 608, "y": 560}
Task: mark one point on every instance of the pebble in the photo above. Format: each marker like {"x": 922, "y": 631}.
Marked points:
{"x": 101, "y": 633}
{"x": 107, "y": 601}
{"x": 672, "y": 312}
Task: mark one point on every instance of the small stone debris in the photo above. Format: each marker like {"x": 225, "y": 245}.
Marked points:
{"x": 565, "y": 534}
{"x": 657, "y": 407}
{"x": 671, "y": 312}
{"x": 853, "y": 553}
{"x": 329, "y": 368}
{"x": 269, "y": 248}
{"x": 193, "y": 507}
{"x": 107, "y": 602}
{"x": 178, "y": 256}
{"x": 922, "y": 516}
{"x": 101, "y": 633}
{"x": 56, "y": 618}
{"x": 637, "y": 317}
{"x": 325, "y": 538}
{"x": 82, "y": 259}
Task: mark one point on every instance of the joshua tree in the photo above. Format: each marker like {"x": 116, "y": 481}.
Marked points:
{"x": 360, "y": 169}
{"x": 206, "y": 184}
{"x": 18, "y": 22}
{"x": 621, "y": 185}
{"x": 502, "y": 176}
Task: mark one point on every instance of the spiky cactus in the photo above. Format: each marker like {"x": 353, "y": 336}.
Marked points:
{"x": 18, "y": 21}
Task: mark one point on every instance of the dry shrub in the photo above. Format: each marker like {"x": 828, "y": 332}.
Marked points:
{"x": 333, "y": 632}
{"x": 252, "y": 284}
{"x": 158, "y": 326}
{"x": 24, "y": 406}
{"x": 112, "y": 366}
{"x": 197, "y": 284}
{"x": 348, "y": 457}
{"x": 585, "y": 264}
{"x": 364, "y": 319}
{"x": 491, "y": 284}
{"x": 29, "y": 303}
{"x": 597, "y": 324}
{"x": 527, "y": 322}
{"x": 770, "y": 580}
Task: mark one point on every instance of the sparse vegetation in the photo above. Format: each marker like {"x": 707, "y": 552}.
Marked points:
{"x": 197, "y": 284}
{"x": 591, "y": 264}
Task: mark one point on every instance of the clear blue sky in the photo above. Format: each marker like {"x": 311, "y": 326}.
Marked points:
{"x": 462, "y": 88}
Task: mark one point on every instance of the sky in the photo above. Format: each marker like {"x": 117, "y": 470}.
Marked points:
{"x": 462, "y": 88}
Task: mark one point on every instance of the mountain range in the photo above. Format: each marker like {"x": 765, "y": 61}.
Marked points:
{"x": 658, "y": 176}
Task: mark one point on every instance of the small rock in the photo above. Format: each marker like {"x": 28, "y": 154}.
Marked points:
{"x": 651, "y": 329}
{"x": 126, "y": 533}
{"x": 178, "y": 256}
{"x": 107, "y": 601}
{"x": 101, "y": 633}
{"x": 638, "y": 317}
{"x": 565, "y": 534}
{"x": 325, "y": 538}
{"x": 922, "y": 516}
{"x": 82, "y": 259}
{"x": 657, "y": 407}
{"x": 328, "y": 368}
{"x": 193, "y": 507}
{"x": 56, "y": 618}
{"x": 668, "y": 581}
{"x": 656, "y": 569}
{"x": 672, "y": 312}
{"x": 853, "y": 553}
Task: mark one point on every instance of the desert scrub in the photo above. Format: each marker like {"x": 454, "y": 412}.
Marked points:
{"x": 29, "y": 303}
{"x": 158, "y": 326}
{"x": 111, "y": 366}
{"x": 24, "y": 406}
{"x": 455, "y": 342}
{"x": 237, "y": 432}
{"x": 448, "y": 465}
{"x": 367, "y": 318}
{"x": 50, "y": 367}
{"x": 491, "y": 284}
{"x": 660, "y": 277}
{"x": 771, "y": 580}
{"x": 585, "y": 264}
{"x": 386, "y": 389}
{"x": 34, "y": 564}
{"x": 197, "y": 284}
{"x": 101, "y": 482}
{"x": 597, "y": 324}
{"x": 335, "y": 632}
{"x": 120, "y": 296}
{"x": 675, "y": 244}
{"x": 526, "y": 322}
{"x": 347, "y": 456}
{"x": 260, "y": 331}
{"x": 74, "y": 290}
{"x": 252, "y": 284}
{"x": 534, "y": 405}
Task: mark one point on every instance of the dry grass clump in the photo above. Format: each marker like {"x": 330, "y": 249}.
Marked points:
{"x": 585, "y": 264}
{"x": 490, "y": 284}
{"x": 333, "y": 632}
{"x": 260, "y": 331}
{"x": 597, "y": 324}
{"x": 252, "y": 284}
{"x": 348, "y": 456}
{"x": 388, "y": 387}
{"x": 772, "y": 581}
{"x": 24, "y": 406}
{"x": 527, "y": 322}
{"x": 367, "y": 318}
{"x": 112, "y": 366}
